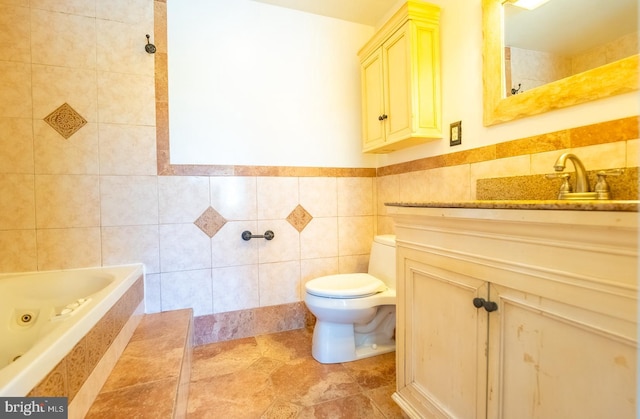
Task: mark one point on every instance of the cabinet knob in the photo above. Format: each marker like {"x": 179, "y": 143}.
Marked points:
{"x": 382, "y": 117}
{"x": 488, "y": 305}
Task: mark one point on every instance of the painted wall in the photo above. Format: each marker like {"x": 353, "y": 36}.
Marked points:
{"x": 256, "y": 84}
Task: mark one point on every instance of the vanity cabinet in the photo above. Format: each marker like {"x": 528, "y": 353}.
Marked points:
{"x": 400, "y": 76}
{"x": 516, "y": 313}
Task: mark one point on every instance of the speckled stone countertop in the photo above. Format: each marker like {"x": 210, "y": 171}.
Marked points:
{"x": 566, "y": 205}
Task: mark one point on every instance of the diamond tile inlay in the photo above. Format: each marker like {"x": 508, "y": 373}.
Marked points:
{"x": 210, "y": 222}
{"x": 65, "y": 120}
{"x": 299, "y": 218}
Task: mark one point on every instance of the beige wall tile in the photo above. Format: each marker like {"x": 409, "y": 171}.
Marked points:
{"x": 314, "y": 268}
{"x": 129, "y": 200}
{"x": 126, "y": 99}
{"x": 632, "y": 153}
{"x": 353, "y": 263}
{"x": 235, "y": 288}
{"x": 187, "y": 289}
{"x": 130, "y": 11}
{"x": 19, "y": 252}
{"x": 318, "y": 195}
{"x": 127, "y": 150}
{"x": 183, "y": 247}
{"x": 228, "y": 248}
{"x": 66, "y": 248}
{"x": 53, "y": 86}
{"x": 17, "y": 201}
{"x": 62, "y": 39}
{"x": 414, "y": 186}
{"x": 64, "y": 201}
{"x": 15, "y": 85}
{"x": 320, "y": 238}
{"x": 385, "y": 225}
{"x": 285, "y": 246}
{"x": 15, "y": 33}
{"x": 387, "y": 190}
{"x": 121, "y": 48}
{"x": 55, "y": 154}
{"x": 235, "y": 197}
{"x": 277, "y": 197}
{"x": 74, "y": 7}
{"x": 542, "y": 163}
{"x": 355, "y": 235}
{"x": 182, "y": 199}
{"x": 510, "y": 166}
{"x": 132, "y": 244}
{"x": 152, "y": 293}
{"x": 355, "y": 196}
{"x": 16, "y": 143}
{"x": 451, "y": 183}
{"x": 602, "y": 156}
{"x": 279, "y": 283}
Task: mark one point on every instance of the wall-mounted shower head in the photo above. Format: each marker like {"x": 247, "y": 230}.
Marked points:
{"x": 150, "y": 48}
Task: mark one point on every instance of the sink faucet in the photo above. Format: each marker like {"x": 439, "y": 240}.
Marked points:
{"x": 582, "y": 181}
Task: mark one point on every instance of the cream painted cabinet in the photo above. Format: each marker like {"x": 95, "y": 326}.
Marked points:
{"x": 516, "y": 314}
{"x": 400, "y": 76}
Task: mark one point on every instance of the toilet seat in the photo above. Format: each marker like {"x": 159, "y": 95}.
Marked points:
{"x": 356, "y": 285}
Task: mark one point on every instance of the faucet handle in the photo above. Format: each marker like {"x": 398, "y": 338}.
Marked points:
{"x": 566, "y": 185}
{"x": 610, "y": 172}
{"x": 602, "y": 187}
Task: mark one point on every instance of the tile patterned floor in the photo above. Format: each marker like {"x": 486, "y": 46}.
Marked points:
{"x": 275, "y": 376}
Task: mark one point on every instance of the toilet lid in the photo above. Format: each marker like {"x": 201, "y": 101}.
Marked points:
{"x": 345, "y": 286}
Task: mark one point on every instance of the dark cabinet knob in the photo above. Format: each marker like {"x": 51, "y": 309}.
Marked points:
{"x": 478, "y": 302}
{"x": 488, "y": 305}
{"x": 382, "y": 117}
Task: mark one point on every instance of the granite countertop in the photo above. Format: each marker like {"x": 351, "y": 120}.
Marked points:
{"x": 565, "y": 205}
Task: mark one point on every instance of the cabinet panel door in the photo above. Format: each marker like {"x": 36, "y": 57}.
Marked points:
{"x": 372, "y": 101}
{"x": 397, "y": 81}
{"x": 444, "y": 341}
{"x": 548, "y": 359}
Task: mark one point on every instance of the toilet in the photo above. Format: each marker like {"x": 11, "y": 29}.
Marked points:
{"x": 356, "y": 313}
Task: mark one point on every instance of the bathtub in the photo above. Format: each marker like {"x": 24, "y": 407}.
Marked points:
{"x": 45, "y": 315}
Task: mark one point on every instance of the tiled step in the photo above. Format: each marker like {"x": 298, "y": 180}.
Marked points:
{"x": 151, "y": 378}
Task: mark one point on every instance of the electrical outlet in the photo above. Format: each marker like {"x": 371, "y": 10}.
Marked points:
{"x": 455, "y": 133}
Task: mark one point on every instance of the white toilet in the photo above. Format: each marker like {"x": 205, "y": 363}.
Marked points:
{"x": 356, "y": 313}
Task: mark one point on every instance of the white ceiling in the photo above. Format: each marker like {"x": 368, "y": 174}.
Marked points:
{"x": 559, "y": 26}
{"x": 366, "y": 12}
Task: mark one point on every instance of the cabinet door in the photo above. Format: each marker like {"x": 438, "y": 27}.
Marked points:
{"x": 549, "y": 359}
{"x": 441, "y": 349}
{"x": 372, "y": 101}
{"x": 397, "y": 85}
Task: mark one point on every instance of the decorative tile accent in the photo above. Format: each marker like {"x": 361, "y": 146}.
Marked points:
{"x": 210, "y": 222}
{"x": 65, "y": 120}
{"x": 299, "y": 218}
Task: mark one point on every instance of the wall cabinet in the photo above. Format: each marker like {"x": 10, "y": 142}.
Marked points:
{"x": 556, "y": 336}
{"x": 400, "y": 76}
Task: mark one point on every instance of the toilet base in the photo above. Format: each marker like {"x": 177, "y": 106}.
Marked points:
{"x": 341, "y": 342}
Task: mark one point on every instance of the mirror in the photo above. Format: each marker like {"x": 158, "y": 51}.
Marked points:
{"x": 607, "y": 79}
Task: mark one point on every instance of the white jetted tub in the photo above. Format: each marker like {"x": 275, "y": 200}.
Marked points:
{"x": 44, "y": 315}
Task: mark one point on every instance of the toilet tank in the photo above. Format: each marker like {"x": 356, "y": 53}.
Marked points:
{"x": 382, "y": 260}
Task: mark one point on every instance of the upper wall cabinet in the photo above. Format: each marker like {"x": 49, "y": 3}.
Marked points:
{"x": 400, "y": 74}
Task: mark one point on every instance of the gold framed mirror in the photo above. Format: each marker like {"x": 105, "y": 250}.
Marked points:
{"x": 611, "y": 79}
